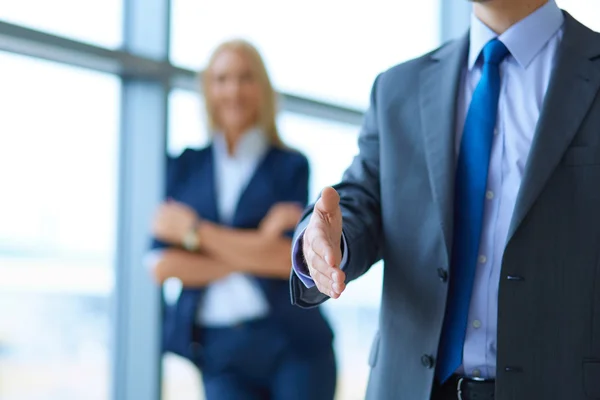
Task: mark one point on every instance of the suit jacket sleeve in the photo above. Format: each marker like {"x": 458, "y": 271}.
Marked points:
{"x": 359, "y": 193}
{"x": 175, "y": 167}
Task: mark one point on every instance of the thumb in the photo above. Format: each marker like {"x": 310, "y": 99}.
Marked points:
{"x": 329, "y": 203}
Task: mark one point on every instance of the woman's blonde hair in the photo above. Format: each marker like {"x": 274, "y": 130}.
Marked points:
{"x": 268, "y": 108}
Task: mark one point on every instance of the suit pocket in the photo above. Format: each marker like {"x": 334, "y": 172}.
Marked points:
{"x": 591, "y": 378}
{"x": 584, "y": 155}
{"x": 374, "y": 350}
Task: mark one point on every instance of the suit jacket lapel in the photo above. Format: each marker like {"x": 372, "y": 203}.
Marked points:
{"x": 251, "y": 206}
{"x": 438, "y": 97}
{"x": 574, "y": 85}
{"x": 205, "y": 183}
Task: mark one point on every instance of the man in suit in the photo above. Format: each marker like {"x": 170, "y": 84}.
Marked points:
{"x": 477, "y": 183}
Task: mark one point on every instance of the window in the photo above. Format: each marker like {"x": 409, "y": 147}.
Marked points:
{"x": 585, "y": 11}
{"x": 328, "y": 50}
{"x": 98, "y": 21}
{"x": 329, "y": 146}
{"x": 58, "y": 157}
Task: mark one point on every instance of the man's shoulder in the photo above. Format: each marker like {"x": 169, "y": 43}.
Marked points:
{"x": 399, "y": 82}
{"x": 410, "y": 69}
{"x": 189, "y": 156}
{"x": 181, "y": 165}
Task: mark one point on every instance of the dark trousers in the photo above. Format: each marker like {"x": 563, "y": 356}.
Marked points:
{"x": 255, "y": 361}
{"x": 438, "y": 394}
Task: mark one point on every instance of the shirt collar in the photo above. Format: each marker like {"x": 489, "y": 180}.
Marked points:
{"x": 524, "y": 39}
{"x": 253, "y": 144}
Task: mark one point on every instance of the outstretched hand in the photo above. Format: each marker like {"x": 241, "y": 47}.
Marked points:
{"x": 322, "y": 244}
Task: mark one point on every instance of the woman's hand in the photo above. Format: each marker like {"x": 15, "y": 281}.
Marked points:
{"x": 281, "y": 218}
{"x": 163, "y": 268}
{"x": 172, "y": 221}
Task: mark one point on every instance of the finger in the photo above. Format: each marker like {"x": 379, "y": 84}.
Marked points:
{"x": 333, "y": 256}
{"x": 318, "y": 263}
{"x": 329, "y": 252}
{"x": 165, "y": 208}
{"x": 329, "y": 202}
{"x": 326, "y": 286}
{"x": 322, "y": 247}
{"x": 322, "y": 282}
{"x": 163, "y": 216}
{"x": 338, "y": 279}
{"x": 335, "y": 276}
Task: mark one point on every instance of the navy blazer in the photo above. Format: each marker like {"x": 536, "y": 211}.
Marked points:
{"x": 282, "y": 176}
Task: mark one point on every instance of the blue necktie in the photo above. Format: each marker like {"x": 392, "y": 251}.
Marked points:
{"x": 470, "y": 187}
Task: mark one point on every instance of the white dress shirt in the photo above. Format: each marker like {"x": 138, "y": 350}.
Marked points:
{"x": 525, "y": 75}
{"x": 236, "y": 297}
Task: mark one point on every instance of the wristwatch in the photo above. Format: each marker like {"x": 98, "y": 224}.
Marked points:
{"x": 191, "y": 239}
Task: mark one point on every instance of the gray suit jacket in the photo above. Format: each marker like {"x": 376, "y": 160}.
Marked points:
{"x": 396, "y": 200}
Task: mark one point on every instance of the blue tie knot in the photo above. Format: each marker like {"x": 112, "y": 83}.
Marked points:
{"x": 494, "y": 52}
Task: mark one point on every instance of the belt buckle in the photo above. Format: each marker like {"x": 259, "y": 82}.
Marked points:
{"x": 459, "y": 385}
{"x": 459, "y": 388}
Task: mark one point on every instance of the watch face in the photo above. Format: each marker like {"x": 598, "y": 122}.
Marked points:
{"x": 190, "y": 241}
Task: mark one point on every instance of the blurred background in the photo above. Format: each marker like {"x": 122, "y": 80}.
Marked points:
{"x": 92, "y": 94}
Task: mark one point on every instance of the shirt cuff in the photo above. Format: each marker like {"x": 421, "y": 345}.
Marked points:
{"x": 299, "y": 264}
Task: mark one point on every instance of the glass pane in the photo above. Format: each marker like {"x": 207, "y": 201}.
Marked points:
{"x": 329, "y": 50}
{"x": 94, "y": 21}
{"x": 187, "y": 122}
{"x": 585, "y": 11}
{"x": 329, "y": 146}
{"x": 58, "y": 157}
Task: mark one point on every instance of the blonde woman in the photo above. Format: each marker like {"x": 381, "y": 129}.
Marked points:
{"x": 225, "y": 234}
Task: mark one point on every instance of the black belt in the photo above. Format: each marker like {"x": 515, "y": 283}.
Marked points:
{"x": 463, "y": 388}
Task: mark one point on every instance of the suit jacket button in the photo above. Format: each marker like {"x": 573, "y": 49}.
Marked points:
{"x": 427, "y": 361}
{"x": 443, "y": 274}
